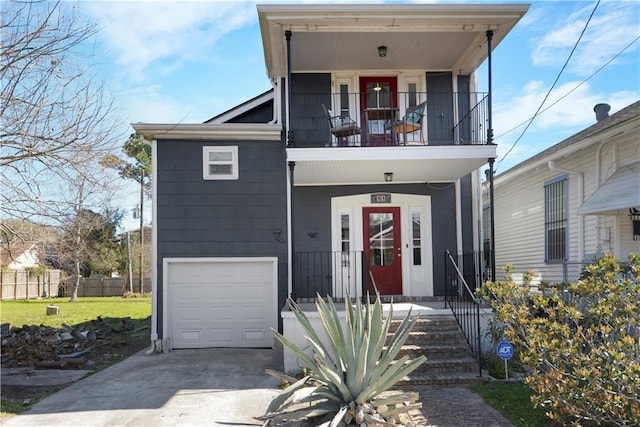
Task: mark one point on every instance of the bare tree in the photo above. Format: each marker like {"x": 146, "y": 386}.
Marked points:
{"x": 56, "y": 116}
{"x": 58, "y": 122}
{"x": 85, "y": 214}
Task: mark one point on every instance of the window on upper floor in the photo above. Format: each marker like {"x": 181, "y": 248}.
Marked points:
{"x": 220, "y": 162}
{"x": 412, "y": 94}
{"x": 344, "y": 100}
{"x": 555, "y": 219}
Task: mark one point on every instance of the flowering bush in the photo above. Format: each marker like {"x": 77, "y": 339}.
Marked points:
{"x": 582, "y": 341}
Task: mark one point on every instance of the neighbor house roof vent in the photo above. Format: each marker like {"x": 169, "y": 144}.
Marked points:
{"x": 602, "y": 111}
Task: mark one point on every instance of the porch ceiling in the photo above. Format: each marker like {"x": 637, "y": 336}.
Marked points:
{"x": 417, "y": 36}
{"x": 358, "y": 166}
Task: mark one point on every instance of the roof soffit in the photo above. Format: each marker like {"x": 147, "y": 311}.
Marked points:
{"x": 461, "y": 28}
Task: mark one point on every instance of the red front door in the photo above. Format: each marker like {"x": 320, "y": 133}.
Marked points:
{"x": 379, "y": 103}
{"x": 379, "y": 92}
{"x": 382, "y": 247}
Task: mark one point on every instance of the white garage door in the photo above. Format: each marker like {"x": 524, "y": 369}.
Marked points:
{"x": 222, "y": 302}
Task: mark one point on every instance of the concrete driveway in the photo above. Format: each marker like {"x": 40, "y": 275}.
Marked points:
{"x": 225, "y": 387}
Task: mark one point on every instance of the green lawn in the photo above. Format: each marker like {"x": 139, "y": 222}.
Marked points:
{"x": 512, "y": 400}
{"x": 34, "y": 312}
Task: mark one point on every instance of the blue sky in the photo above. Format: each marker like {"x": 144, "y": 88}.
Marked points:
{"x": 184, "y": 62}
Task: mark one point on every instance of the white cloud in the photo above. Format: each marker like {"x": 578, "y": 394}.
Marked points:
{"x": 613, "y": 26}
{"x": 148, "y": 104}
{"x": 139, "y": 34}
{"x": 574, "y": 109}
{"x": 559, "y": 119}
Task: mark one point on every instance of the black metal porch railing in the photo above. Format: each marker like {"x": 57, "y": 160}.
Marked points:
{"x": 471, "y": 127}
{"x": 335, "y": 274}
{"x": 450, "y": 118}
{"x": 462, "y": 278}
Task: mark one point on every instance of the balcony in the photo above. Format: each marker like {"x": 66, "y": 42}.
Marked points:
{"x": 455, "y": 118}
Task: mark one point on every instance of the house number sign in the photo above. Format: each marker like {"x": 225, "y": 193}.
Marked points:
{"x": 381, "y": 198}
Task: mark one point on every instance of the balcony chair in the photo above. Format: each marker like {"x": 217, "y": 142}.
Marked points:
{"x": 410, "y": 123}
{"x": 342, "y": 127}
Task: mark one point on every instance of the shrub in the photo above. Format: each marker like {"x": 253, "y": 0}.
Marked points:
{"x": 582, "y": 343}
{"x": 347, "y": 376}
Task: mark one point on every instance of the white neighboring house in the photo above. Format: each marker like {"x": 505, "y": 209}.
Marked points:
{"x": 19, "y": 257}
{"x": 572, "y": 202}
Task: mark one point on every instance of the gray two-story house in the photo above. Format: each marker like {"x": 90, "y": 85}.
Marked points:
{"x": 356, "y": 172}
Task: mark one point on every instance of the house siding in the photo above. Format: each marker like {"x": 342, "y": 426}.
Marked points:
{"x": 220, "y": 218}
{"x": 439, "y": 108}
{"x": 263, "y": 113}
{"x": 466, "y": 128}
{"x": 312, "y": 210}
{"x": 466, "y": 200}
{"x": 310, "y": 90}
{"x": 519, "y": 212}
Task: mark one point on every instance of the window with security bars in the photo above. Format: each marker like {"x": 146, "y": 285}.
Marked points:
{"x": 555, "y": 221}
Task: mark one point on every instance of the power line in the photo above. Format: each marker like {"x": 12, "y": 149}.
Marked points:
{"x": 575, "y": 87}
{"x": 554, "y": 83}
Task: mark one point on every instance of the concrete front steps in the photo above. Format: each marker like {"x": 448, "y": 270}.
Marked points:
{"x": 449, "y": 358}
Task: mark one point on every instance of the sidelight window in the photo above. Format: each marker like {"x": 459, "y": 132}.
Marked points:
{"x": 416, "y": 240}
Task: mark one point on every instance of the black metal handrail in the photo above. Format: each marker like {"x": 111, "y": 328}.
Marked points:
{"x": 472, "y": 126}
{"x": 330, "y": 273}
{"x": 462, "y": 300}
{"x": 450, "y": 118}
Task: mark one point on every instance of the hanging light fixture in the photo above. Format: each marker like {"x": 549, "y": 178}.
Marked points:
{"x": 382, "y": 51}
{"x": 388, "y": 176}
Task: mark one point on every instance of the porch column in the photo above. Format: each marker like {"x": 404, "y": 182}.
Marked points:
{"x": 489, "y": 97}
{"x": 290, "y": 141}
{"x": 292, "y": 240}
{"x": 492, "y": 259}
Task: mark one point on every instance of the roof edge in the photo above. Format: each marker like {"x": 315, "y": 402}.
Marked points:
{"x": 580, "y": 139}
{"x": 224, "y": 131}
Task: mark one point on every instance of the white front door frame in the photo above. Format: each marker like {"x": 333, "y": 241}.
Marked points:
{"x": 417, "y": 279}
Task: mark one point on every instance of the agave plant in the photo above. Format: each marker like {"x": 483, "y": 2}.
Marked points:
{"x": 350, "y": 370}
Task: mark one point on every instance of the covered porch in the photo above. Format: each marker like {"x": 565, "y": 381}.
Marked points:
{"x": 360, "y": 223}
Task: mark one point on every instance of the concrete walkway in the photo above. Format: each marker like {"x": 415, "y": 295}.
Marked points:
{"x": 225, "y": 387}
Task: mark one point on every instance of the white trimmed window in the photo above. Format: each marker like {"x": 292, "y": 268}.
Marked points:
{"x": 220, "y": 162}
{"x": 556, "y": 206}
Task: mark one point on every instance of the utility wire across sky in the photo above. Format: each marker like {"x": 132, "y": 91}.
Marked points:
{"x": 552, "y": 86}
